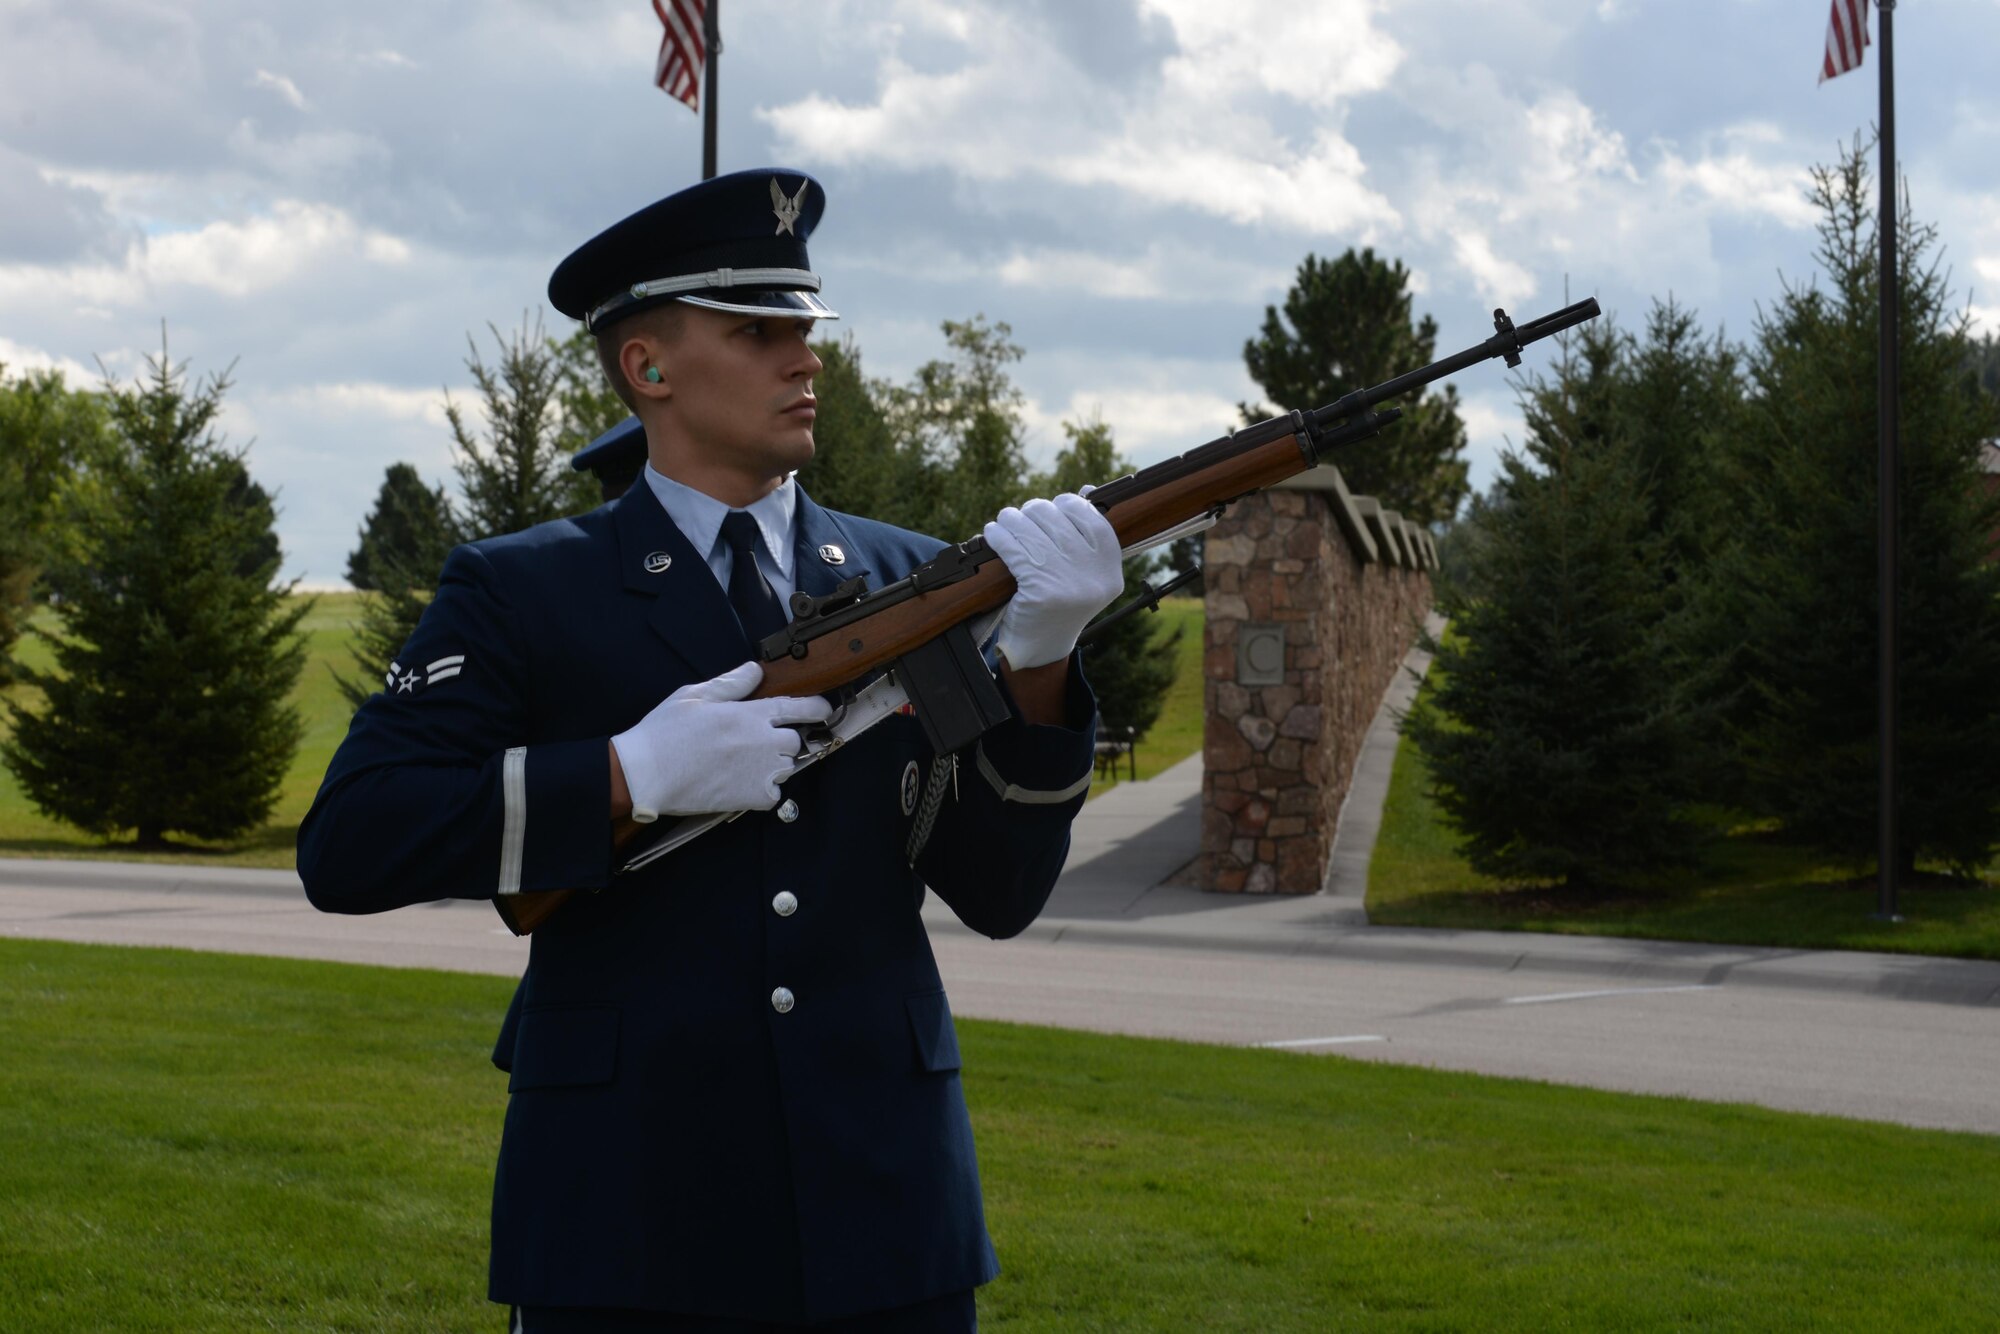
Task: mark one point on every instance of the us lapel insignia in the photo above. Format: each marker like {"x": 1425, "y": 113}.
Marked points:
{"x": 658, "y": 562}
{"x": 909, "y": 786}
{"x": 832, "y": 555}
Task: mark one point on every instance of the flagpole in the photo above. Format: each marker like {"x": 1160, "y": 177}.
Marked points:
{"x": 1886, "y": 468}
{"x": 711, "y": 45}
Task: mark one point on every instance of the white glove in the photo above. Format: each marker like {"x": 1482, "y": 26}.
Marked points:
{"x": 706, "y": 748}
{"x": 1063, "y": 553}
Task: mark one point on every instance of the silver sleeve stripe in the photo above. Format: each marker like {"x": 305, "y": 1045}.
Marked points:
{"x": 444, "y": 674}
{"x": 1026, "y": 796}
{"x": 453, "y": 661}
{"x": 514, "y": 830}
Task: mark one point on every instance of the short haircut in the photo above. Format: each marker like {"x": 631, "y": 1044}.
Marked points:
{"x": 663, "y": 322}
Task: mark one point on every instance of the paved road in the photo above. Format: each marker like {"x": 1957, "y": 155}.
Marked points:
{"x": 1885, "y": 1037}
{"x": 1123, "y": 948}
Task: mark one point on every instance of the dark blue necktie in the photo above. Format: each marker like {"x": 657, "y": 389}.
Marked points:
{"x": 757, "y": 605}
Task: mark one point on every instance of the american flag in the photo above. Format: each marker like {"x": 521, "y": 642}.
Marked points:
{"x": 678, "y": 73}
{"x": 1846, "y": 38}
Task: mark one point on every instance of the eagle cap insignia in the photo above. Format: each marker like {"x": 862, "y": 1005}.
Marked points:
{"x": 786, "y": 208}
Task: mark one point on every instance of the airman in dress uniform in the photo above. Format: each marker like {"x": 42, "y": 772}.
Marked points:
{"x": 734, "y": 1090}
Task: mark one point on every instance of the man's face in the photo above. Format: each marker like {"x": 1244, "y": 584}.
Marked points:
{"x": 742, "y": 390}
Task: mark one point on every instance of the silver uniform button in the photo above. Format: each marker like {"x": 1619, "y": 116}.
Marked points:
{"x": 788, "y": 810}
{"x": 781, "y": 1000}
{"x": 785, "y": 904}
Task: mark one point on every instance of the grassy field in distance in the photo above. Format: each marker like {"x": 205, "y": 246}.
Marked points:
{"x": 26, "y": 832}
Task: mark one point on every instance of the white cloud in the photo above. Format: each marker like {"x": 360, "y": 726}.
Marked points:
{"x": 1163, "y": 270}
{"x": 1151, "y": 424}
{"x": 1501, "y": 282}
{"x": 1521, "y": 189}
{"x": 1156, "y": 406}
{"x": 1749, "y": 169}
{"x": 282, "y": 86}
{"x": 1321, "y": 53}
{"x": 1196, "y": 138}
{"x": 264, "y": 252}
{"x": 19, "y": 357}
{"x": 362, "y": 399}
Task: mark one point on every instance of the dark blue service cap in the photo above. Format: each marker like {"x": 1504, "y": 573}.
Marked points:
{"x": 734, "y": 243}
{"x": 623, "y": 446}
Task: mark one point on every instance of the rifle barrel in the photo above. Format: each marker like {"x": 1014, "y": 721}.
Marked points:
{"x": 1507, "y": 342}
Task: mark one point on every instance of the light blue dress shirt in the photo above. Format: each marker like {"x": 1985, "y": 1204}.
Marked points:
{"x": 699, "y": 517}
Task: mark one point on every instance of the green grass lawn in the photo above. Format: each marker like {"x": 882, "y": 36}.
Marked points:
{"x": 1753, "y": 889}
{"x": 203, "y": 1142}
{"x": 26, "y": 832}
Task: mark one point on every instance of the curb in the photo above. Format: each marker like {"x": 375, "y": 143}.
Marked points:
{"x": 1909, "y": 977}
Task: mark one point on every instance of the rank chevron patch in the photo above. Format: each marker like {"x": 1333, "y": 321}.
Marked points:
{"x": 407, "y": 681}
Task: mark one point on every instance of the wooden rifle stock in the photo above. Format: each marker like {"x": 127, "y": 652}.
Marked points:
{"x": 880, "y": 627}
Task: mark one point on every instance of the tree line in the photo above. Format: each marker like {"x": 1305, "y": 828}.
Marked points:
{"x": 1664, "y": 610}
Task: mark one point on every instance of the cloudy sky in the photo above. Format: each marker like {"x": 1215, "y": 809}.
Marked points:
{"x": 331, "y": 196}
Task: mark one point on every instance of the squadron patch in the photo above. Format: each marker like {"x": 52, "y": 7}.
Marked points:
{"x": 909, "y": 788}
{"x": 401, "y": 680}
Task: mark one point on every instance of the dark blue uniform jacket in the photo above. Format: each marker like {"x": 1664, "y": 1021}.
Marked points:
{"x": 673, "y": 1141}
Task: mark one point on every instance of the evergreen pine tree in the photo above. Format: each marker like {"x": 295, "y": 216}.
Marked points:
{"x": 1558, "y": 747}
{"x": 259, "y": 553}
{"x": 1804, "y": 574}
{"x": 49, "y": 435}
{"x": 168, "y": 708}
{"x": 1681, "y": 400}
{"x": 518, "y": 475}
{"x": 1346, "y": 325}
{"x": 411, "y": 526}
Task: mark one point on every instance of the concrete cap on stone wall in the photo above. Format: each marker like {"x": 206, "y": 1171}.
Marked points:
{"x": 1370, "y": 511}
{"x": 1417, "y": 538}
{"x": 1326, "y": 480}
{"x": 1400, "y": 538}
{"x": 1373, "y": 513}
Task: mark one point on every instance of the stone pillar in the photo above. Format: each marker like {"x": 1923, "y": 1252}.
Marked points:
{"x": 1285, "y": 721}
